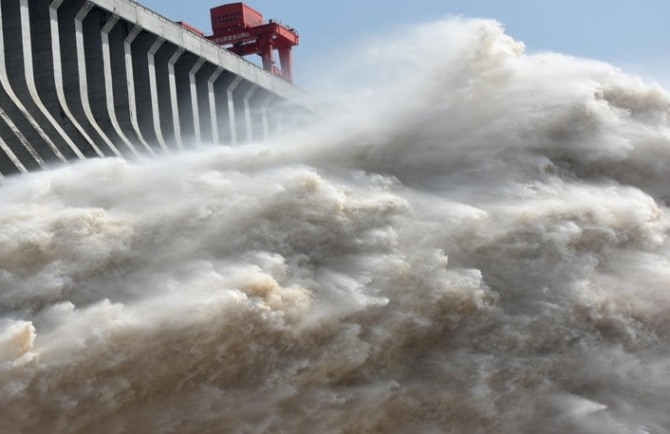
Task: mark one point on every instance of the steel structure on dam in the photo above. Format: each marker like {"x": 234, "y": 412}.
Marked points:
{"x": 81, "y": 79}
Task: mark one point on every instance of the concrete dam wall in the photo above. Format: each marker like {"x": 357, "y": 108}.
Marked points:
{"x": 84, "y": 79}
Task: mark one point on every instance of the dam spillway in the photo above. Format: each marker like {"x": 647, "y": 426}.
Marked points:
{"x": 110, "y": 78}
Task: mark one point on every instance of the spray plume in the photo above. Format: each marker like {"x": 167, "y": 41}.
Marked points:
{"x": 482, "y": 247}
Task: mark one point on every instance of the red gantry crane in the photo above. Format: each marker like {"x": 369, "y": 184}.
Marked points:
{"x": 241, "y": 30}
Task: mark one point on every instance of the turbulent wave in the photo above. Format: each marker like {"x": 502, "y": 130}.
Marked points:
{"x": 481, "y": 248}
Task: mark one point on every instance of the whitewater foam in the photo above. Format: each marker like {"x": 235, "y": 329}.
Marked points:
{"x": 482, "y": 248}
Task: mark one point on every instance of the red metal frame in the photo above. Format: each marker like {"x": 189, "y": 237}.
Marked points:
{"x": 190, "y": 28}
{"x": 241, "y": 29}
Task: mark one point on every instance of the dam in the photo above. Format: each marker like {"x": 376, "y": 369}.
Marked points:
{"x": 110, "y": 78}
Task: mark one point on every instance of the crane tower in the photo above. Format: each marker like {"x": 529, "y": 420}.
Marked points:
{"x": 241, "y": 30}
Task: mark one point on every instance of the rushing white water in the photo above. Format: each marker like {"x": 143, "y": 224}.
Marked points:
{"x": 481, "y": 249}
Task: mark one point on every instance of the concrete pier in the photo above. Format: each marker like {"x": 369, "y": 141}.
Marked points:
{"x": 110, "y": 78}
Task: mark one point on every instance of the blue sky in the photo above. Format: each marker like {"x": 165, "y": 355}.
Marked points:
{"x": 632, "y": 34}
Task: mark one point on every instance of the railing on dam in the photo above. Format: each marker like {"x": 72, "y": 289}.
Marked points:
{"x": 98, "y": 78}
